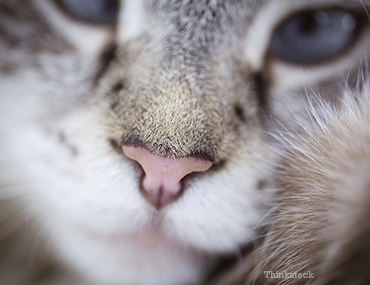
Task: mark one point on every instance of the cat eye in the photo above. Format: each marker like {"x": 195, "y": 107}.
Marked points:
{"x": 315, "y": 36}
{"x": 92, "y": 11}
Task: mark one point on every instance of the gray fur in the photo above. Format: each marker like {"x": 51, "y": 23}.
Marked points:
{"x": 182, "y": 86}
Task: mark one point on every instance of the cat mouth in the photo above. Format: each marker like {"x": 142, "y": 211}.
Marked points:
{"x": 149, "y": 238}
{"x": 153, "y": 232}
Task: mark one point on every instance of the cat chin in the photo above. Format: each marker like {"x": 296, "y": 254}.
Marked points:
{"x": 146, "y": 256}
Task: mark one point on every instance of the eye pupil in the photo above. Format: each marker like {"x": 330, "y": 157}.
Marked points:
{"x": 308, "y": 24}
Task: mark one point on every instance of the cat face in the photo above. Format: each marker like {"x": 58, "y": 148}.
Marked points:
{"x": 94, "y": 104}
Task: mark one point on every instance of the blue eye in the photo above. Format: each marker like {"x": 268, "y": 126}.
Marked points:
{"x": 312, "y": 37}
{"x": 92, "y": 11}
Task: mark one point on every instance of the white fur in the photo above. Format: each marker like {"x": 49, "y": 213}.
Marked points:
{"x": 132, "y": 19}
{"x": 90, "y": 207}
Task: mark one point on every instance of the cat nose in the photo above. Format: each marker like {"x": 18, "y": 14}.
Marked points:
{"x": 162, "y": 181}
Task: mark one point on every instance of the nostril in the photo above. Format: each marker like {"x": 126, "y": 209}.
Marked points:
{"x": 163, "y": 175}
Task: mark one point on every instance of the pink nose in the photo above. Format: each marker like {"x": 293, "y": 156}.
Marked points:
{"x": 162, "y": 180}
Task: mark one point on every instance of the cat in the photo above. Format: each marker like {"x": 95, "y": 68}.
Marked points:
{"x": 136, "y": 136}
{"x": 319, "y": 226}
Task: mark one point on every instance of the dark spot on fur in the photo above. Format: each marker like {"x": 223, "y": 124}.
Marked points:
{"x": 119, "y": 86}
{"x": 8, "y": 68}
{"x": 7, "y": 10}
{"x": 261, "y": 185}
{"x": 63, "y": 140}
{"x": 114, "y": 105}
{"x": 260, "y": 87}
{"x": 115, "y": 145}
{"x": 62, "y": 137}
{"x": 239, "y": 112}
{"x": 115, "y": 89}
{"x": 107, "y": 57}
{"x": 73, "y": 150}
{"x": 8, "y": 38}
